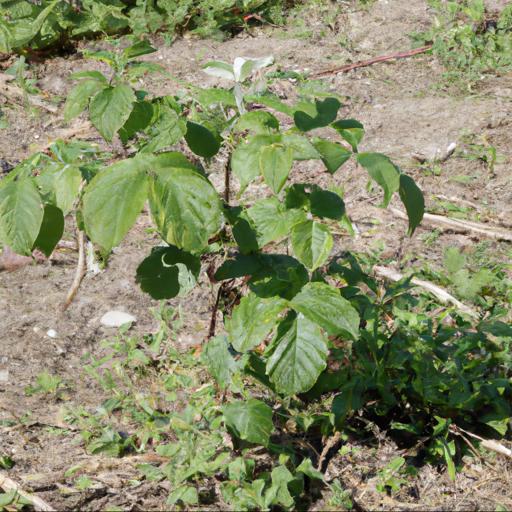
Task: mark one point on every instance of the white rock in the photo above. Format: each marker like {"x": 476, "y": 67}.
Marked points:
{"x": 51, "y": 333}
{"x": 4, "y": 375}
{"x": 116, "y": 319}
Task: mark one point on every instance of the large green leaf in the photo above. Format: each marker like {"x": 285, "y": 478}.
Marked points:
{"x": 185, "y": 207}
{"x": 326, "y": 112}
{"x": 258, "y": 122}
{"x": 245, "y": 159}
{"x": 51, "y": 230}
{"x": 110, "y": 109}
{"x": 275, "y": 164}
{"x": 168, "y": 272}
{"x": 299, "y": 355}
{"x": 79, "y": 97}
{"x": 320, "y": 202}
{"x": 201, "y": 140}
{"x": 324, "y": 305}
{"x": 272, "y": 220}
{"x": 60, "y": 185}
{"x": 219, "y": 361}
{"x": 312, "y": 243}
{"x": 165, "y": 131}
{"x": 251, "y": 420}
{"x": 383, "y": 171}
{"x": 113, "y": 200}
{"x": 21, "y": 215}
{"x": 302, "y": 148}
{"x": 333, "y": 155}
{"x": 413, "y": 200}
{"x": 140, "y": 118}
{"x": 252, "y": 320}
{"x": 351, "y": 130}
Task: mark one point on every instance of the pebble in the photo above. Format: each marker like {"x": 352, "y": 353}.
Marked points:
{"x": 51, "y": 333}
{"x": 4, "y": 375}
{"x": 117, "y": 319}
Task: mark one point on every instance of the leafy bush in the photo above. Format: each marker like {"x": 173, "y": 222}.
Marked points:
{"x": 38, "y": 25}
{"x": 468, "y": 40}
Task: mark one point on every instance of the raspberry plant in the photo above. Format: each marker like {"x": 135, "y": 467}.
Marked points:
{"x": 290, "y": 310}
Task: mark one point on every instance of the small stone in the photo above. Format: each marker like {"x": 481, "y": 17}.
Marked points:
{"x": 4, "y": 375}
{"x": 117, "y": 319}
{"x": 51, "y": 333}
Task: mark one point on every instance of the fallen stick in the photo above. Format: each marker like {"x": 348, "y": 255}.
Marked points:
{"x": 369, "y": 62}
{"x": 80, "y": 271}
{"x": 463, "y": 226}
{"x": 440, "y": 293}
{"x": 10, "y": 485}
{"x": 486, "y": 443}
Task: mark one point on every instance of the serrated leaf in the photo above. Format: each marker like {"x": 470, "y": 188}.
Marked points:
{"x": 413, "y": 200}
{"x": 259, "y": 122}
{"x": 312, "y": 243}
{"x": 113, "y": 200}
{"x": 186, "y": 494}
{"x": 52, "y": 228}
{"x": 138, "y": 49}
{"x": 272, "y": 220}
{"x": 302, "y": 147}
{"x": 168, "y": 272}
{"x": 252, "y": 320}
{"x": 219, "y": 361}
{"x": 351, "y": 130}
{"x": 326, "y": 112}
{"x": 110, "y": 109}
{"x": 299, "y": 356}
{"x": 60, "y": 185}
{"x": 275, "y": 164}
{"x": 245, "y": 159}
{"x": 21, "y": 215}
{"x": 201, "y": 140}
{"x": 333, "y": 155}
{"x": 324, "y": 305}
{"x": 79, "y": 98}
{"x": 251, "y": 420}
{"x": 383, "y": 171}
{"x": 185, "y": 207}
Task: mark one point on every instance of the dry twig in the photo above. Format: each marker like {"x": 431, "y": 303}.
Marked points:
{"x": 486, "y": 443}
{"x": 369, "y": 62}
{"x": 441, "y": 294}
{"x": 331, "y": 442}
{"x": 461, "y": 226}
{"x": 10, "y": 485}
{"x": 80, "y": 271}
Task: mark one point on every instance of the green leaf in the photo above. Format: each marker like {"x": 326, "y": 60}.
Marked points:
{"x": 219, "y": 69}
{"x": 326, "y": 204}
{"x": 60, "y": 184}
{"x": 326, "y": 112}
{"x": 201, "y": 140}
{"x": 351, "y": 130}
{"x": 79, "y": 97}
{"x": 413, "y": 200}
{"x": 251, "y": 420}
{"x": 21, "y": 215}
{"x": 334, "y": 155}
{"x": 383, "y": 171}
{"x": 219, "y": 361}
{"x": 302, "y": 148}
{"x": 281, "y": 477}
{"x": 165, "y": 131}
{"x": 306, "y": 467}
{"x": 51, "y": 230}
{"x": 245, "y": 159}
{"x": 312, "y": 243}
{"x": 258, "y": 122}
{"x": 252, "y": 320}
{"x": 113, "y": 200}
{"x": 275, "y": 164}
{"x": 138, "y": 49}
{"x": 168, "y": 272}
{"x": 324, "y": 305}
{"x": 452, "y": 472}
{"x": 186, "y": 494}
{"x": 110, "y": 109}
{"x": 349, "y": 399}
{"x": 272, "y": 220}
{"x": 299, "y": 355}
{"x": 185, "y": 207}
{"x": 140, "y": 118}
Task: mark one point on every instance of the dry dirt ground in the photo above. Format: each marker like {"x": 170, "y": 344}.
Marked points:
{"x": 406, "y": 111}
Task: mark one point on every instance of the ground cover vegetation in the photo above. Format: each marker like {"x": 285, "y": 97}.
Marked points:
{"x": 314, "y": 352}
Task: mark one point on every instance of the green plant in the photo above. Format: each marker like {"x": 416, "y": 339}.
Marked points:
{"x": 45, "y": 383}
{"x": 468, "y": 41}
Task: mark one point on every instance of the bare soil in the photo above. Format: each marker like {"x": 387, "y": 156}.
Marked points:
{"x": 406, "y": 111}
